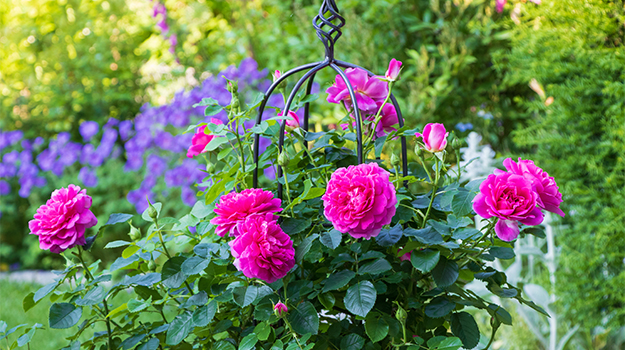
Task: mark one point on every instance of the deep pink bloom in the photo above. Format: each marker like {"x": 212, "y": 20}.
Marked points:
{"x": 293, "y": 122}
{"x": 368, "y": 90}
{"x": 262, "y": 250}
{"x": 276, "y": 75}
{"x": 234, "y": 208}
{"x": 392, "y": 73}
{"x": 360, "y": 200}
{"x": 280, "y": 309}
{"x": 201, "y": 139}
{"x": 511, "y": 198}
{"x": 61, "y": 222}
{"x": 405, "y": 257}
{"x": 388, "y": 120}
{"x": 549, "y": 196}
{"x": 434, "y": 137}
{"x": 500, "y": 5}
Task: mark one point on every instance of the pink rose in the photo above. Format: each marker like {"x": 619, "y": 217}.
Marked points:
{"x": 280, "y": 309}
{"x": 500, "y": 4}
{"x": 201, "y": 139}
{"x": 549, "y": 196}
{"x": 276, "y": 75}
{"x": 512, "y": 199}
{"x": 262, "y": 250}
{"x": 368, "y": 90}
{"x": 360, "y": 200}
{"x": 388, "y": 120}
{"x": 434, "y": 137}
{"x": 392, "y": 73}
{"x": 234, "y": 208}
{"x": 405, "y": 257}
{"x": 293, "y": 122}
{"x": 61, "y": 222}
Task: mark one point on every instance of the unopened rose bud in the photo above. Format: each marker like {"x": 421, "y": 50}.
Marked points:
{"x": 417, "y": 150}
{"x": 283, "y": 159}
{"x": 276, "y": 75}
{"x": 152, "y": 213}
{"x": 280, "y": 309}
{"x": 210, "y": 168}
{"x": 392, "y": 73}
{"x": 395, "y": 160}
{"x": 135, "y": 233}
{"x": 456, "y": 143}
{"x": 401, "y": 315}
{"x": 233, "y": 87}
{"x": 152, "y": 266}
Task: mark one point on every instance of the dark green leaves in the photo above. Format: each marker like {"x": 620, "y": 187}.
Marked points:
{"x": 194, "y": 265}
{"x": 172, "y": 275}
{"x": 426, "y": 235}
{"x": 376, "y": 267}
{"x": 360, "y": 298}
{"x": 462, "y": 204}
{"x": 331, "y": 239}
{"x": 94, "y": 296}
{"x": 64, "y": 315}
{"x": 179, "y": 329}
{"x": 338, "y": 280}
{"x": 248, "y": 342}
{"x": 304, "y": 247}
{"x": 389, "y": 237}
{"x": 352, "y": 342}
{"x": 202, "y": 316}
{"x": 464, "y": 327}
{"x": 424, "y": 260}
{"x": 304, "y": 318}
{"x": 439, "y": 307}
{"x": 376, "y": 327}
{"x": 117, "y": 218}
{"x": 445, "y": 273}
{"x": 294, "y": 226}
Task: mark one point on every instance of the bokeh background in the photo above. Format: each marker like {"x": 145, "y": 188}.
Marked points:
{"x": 98, "y": 93}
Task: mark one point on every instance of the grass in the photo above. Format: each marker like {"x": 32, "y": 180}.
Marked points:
{"x": 11, "y": 311}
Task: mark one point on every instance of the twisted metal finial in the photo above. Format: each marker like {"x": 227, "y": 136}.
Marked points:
{"x": 334, "y": 21}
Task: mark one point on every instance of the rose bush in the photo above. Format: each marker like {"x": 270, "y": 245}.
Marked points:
{"x": 353, "y": 256}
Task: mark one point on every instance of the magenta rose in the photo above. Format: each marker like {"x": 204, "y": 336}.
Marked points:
{"x": 549, "y": 196}
{"x": 234, "y": 208}
{"x": 292, "y": 123}
{"x": 392, "y": 73}
{"x": 434, "y": 137}
{"x": 360, "y": 200}
{"x": 201, "y": 139}
{"x": 388, "y": 120}
{"x": 262, "y": 250}
{"x": 368, "y": 90}
{"x": 61, "y": 222}
{"x": 512, "y": 199}
{"x": 280, "y": 309}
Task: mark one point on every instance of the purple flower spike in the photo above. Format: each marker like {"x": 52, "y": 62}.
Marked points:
{"x": 88, "y": 129}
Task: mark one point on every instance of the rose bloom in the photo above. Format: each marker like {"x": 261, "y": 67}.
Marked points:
{"x": 262, "y": 250}
{"x": 512, "y": 199}
{"x": 392, "y": 73}
{"x": 368, "y": 90}
{"x": 280, "y": 309}
{"x": 201, "y": 139}
{"x": 549, "y": 196}
{"x": 293, "y": 122}
{"x": 234, "y": 208}
{"x": 360, "y": 200}
{"x": 388, "y": 120}
{"x": 434, "y": 137}
{"x": 61, "y": 222}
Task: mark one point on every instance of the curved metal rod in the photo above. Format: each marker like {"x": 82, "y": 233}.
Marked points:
{"x": 400, "y": 118}
{"x": 305, "y": 126}
{"x": 356, "y": 111}
{"x": 261, "y": 110}
{"x": 287, "y": 107}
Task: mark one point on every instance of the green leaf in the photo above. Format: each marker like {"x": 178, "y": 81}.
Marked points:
{"x": 25, "y": 338}
{"x": 389, "y": 237}
{"x": 201, "y": 210}
{"x": 331, "y": 239}
{"x": 466, "y": 233}
{"x": 3, "y": 324}
{"x": 445, "y": 273}
{"x": 439, "y": 307}
{"x": 376, "y": 327}
{"x": 202, "y": 316}
{"x": 179, "y": 329}
{"x": 309, "y": 98}
{"x": 130, "y": 342}
{"x": 463, "y": 326}
{"x": 424, "y": 260}
{"x": 327, "y": 300}
{"x": 212, "y": 110}
{"x": 117, "y": 218}
{"x": 248, "y": 342}
{"x": 304, "y": 247}
{"x": 503, "y": 253}
{"x": 360, "y": 298}
{"x": 304, "y": 318}
{"x": 442, "y": 343}
{"x": 135, "y": 305}
{"x": 28, "y": 303}
{"x": 43, "y": 291}
{"x": 501, "y": 314}
{"x": 172, "y": 275}
{"x": 462, "y": 203}
{"x": 426, "y": 235}
{"x": 215, "y": 143}
{"x": 292, "y": 226}
{"x": 206, "y": 101}
{"x": 338, "y": 280}
{"x": 376, "y": 267}
{"x": 379, "y": 145}
{"x": 262, "y": 330}
{"x": 536, "y": 231}
{"x": 116, "y": 244}
{"x": 146, "y": 216}
{"x": 352, "y": 342}
{"x": 93, "y": 296}
{"x": 224, "y": 345}
{"x": 151, "y": 344}
{"x": 194, "y": 265}
{"x": 64, "y": 315}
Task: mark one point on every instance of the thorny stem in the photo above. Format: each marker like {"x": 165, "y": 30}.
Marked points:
{"x": 435, "y": 184}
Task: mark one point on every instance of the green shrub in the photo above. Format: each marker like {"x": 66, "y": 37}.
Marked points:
{"x": 575, "y": 50}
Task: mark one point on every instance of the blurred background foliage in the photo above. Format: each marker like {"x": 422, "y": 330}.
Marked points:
{"x": 545, "y": 81}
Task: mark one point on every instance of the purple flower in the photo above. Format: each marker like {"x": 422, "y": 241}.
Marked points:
{"x": 167, "y": 141}
{"x": 162, "y": 25}
{"x": 188, "y": 196}
{"x": 111, "y": 123}
{"x": 46, "y": 159}
{"x": 88, "y": 129}
{"x": 7, "y": 170}
{"x": 134, "y": 161}
{"x": 125, "y": 130}
{"x": 11, "y": 157}
{"x": 88, "y": 177}
{"x": 69, "y": 154}
{"x": 156, "y": 165}
{"x": 5, "y": 188}
{"x": 159, "y": 9}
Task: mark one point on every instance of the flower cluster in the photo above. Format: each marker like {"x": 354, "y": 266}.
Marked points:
{"x": 517, "y": 196}
{"x": 370, "y": 93}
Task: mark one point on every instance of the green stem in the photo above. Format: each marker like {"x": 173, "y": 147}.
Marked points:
{"x": 377, "y": 115}
{"x": 293, "y": 333}
{"x": 108, "y": 325}
{"x": 288, "y": 191}
{"x": 88, "y": 274}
